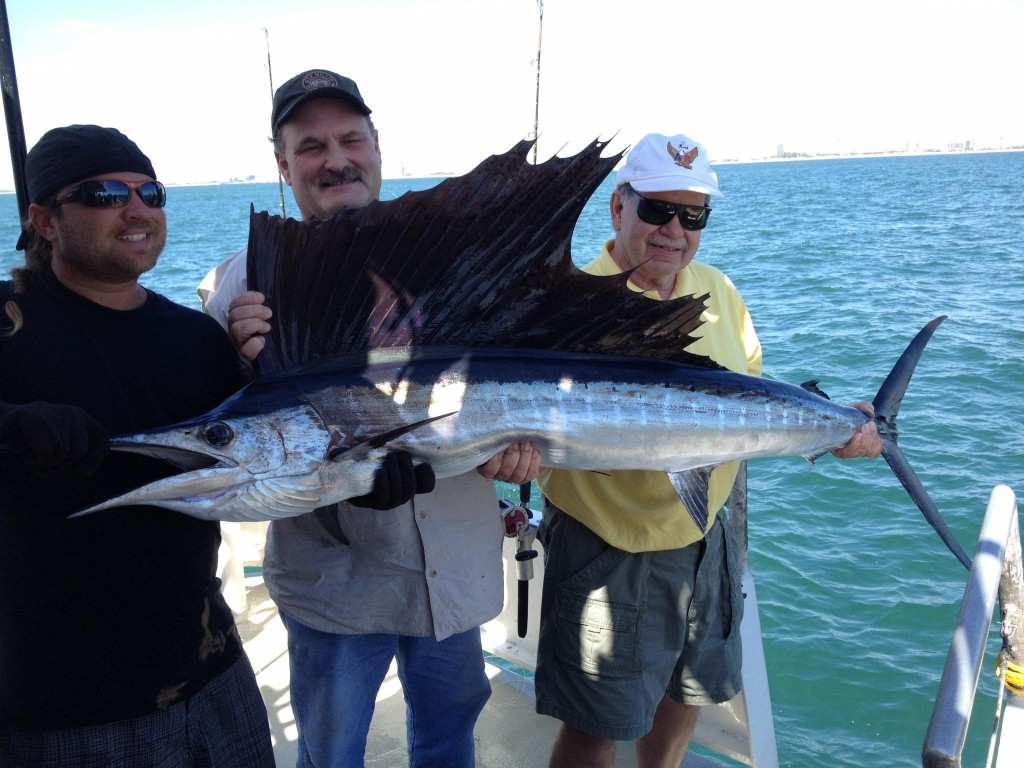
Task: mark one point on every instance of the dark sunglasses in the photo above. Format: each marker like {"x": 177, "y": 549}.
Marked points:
{"x": 659, "y": 212}
{"x": 107, "y": 193}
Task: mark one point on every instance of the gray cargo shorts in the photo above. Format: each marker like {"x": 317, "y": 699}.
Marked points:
{"x": 621, "y": 630}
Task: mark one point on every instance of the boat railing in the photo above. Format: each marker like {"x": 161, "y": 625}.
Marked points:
{"x": 996, "y": 571}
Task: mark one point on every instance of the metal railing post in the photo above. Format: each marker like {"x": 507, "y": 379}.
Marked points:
{"x": 947, "y": 731}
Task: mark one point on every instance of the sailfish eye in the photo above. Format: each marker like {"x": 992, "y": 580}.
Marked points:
{"x": 219, "y": 434}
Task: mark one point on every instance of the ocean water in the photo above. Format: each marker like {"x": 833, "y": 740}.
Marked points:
{"x": 841, "y": 261}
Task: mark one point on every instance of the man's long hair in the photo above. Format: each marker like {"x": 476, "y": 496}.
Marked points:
{"x": 38, "y": 255}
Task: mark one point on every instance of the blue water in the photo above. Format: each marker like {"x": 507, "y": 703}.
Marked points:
{"x": 841, "y": 263}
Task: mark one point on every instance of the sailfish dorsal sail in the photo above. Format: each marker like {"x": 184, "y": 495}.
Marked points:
{"x": 480, "y": 260}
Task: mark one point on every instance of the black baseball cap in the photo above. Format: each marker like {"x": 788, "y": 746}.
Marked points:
{"x": 314, "y": 84}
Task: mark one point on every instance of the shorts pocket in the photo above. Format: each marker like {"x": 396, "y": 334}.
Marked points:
{"x": 732, "y": 579}
{"x": 598, "y": 631}
{"x": 718, "y": 603}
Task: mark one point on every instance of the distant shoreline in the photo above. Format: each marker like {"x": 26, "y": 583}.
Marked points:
{"x": 855, "y": 155}
{"x": 788, "y": 157}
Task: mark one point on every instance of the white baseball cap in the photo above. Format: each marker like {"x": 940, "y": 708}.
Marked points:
{"x": 660, "y": 163}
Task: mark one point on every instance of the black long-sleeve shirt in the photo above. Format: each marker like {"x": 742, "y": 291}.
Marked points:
{"x": 117, "y": 613}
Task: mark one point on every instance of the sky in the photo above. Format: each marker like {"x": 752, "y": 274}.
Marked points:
{"x": 452, "y": 82}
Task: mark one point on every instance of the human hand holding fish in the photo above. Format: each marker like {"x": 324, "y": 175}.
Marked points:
{"x": 519, "y": 463}
{"x": 866, "y": 441}
{"x": 397, "y": 480}
{"x": 248, "y": 322}
{"x": 52, "y": 437}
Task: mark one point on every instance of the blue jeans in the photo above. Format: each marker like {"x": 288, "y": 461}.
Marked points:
{"x": 334, "y": 685}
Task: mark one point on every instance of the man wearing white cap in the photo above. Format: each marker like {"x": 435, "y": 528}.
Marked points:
{"x": 641, "y": 608}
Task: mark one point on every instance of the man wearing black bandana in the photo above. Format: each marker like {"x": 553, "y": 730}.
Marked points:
{"x": 116, "y": 646}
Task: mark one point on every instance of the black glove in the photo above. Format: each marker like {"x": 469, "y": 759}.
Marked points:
{"x": 397, "y": 481}
{"x": 52, "y": 437}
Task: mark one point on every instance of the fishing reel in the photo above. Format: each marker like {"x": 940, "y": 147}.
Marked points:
{"x": 517, "y": 519}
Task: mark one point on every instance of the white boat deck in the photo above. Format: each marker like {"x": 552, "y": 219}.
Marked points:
{"x": 509, "y": 734}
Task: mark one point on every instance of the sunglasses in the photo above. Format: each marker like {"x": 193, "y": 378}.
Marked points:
{"x": 107, "y": 193}
{"x": 659, "y": 212}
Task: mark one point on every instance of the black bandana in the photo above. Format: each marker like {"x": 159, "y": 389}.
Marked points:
{"x": 66, "y": 155}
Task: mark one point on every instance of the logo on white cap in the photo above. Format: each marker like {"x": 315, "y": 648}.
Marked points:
{"x": 681, "y": 157}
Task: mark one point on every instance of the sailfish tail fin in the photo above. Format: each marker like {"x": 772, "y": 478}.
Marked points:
{"x": 887, "y": 405}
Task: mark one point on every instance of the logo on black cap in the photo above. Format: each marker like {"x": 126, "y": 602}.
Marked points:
{"x": 319, "y": 79}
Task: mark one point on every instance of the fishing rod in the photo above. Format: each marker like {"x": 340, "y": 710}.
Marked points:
{"x": 536, "y": 101}
{"x": 270, "y": 77}
{"x": 12, "y": 111}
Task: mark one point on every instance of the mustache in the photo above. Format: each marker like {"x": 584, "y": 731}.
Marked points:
{"x": 661, "y": 242}
{"x": 343, "y": 176}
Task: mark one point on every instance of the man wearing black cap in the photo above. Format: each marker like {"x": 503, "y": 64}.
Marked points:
{"x": 327, "y": 151}
{"x": 116, "y": 647}
{"x": 413, "y": 582}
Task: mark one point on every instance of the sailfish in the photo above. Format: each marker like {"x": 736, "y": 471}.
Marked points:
{"x": 451, "y": 322}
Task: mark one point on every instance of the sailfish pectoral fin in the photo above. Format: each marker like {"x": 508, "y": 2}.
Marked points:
{"x": 379, "y": 441}
{"x": 692, "y": 487}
